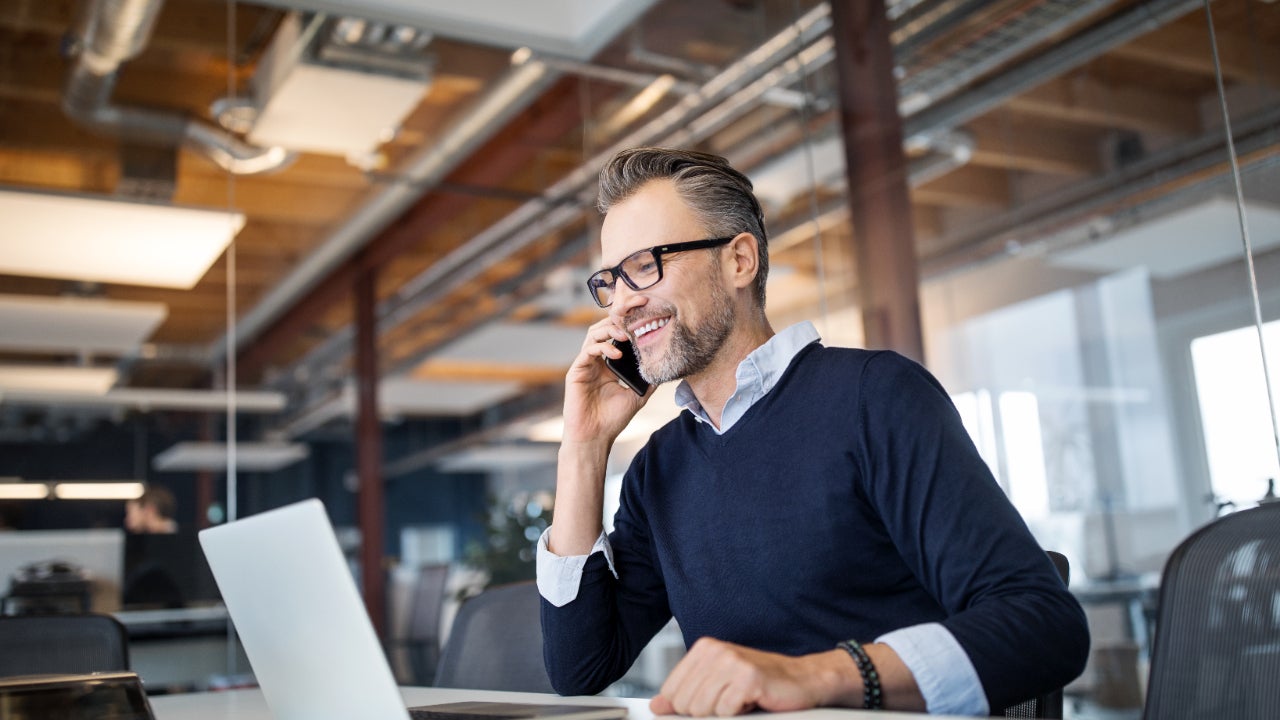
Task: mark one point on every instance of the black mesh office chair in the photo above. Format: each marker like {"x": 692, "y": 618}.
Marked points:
{"x": 1048, "y": 705}
{"x": 1217, "y": 642}
{"x": 36, "y": 644}
{"x": 496, "y": 643}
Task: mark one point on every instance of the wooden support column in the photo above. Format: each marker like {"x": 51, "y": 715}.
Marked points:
{"x": 370, "y": 501}
{"x": 879, "y": 203}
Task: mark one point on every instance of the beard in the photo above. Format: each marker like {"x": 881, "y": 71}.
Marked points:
{"x": 690, "y": 350}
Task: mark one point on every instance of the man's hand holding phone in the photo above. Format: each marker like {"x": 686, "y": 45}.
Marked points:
{"x": 597, "y": 404}
{"x": 597, "y": 407}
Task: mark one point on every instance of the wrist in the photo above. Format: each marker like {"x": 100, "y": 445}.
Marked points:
{"x": 868, "y": 675}
{"x": 837, "y": 683}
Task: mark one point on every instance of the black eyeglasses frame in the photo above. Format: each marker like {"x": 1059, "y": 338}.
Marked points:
{"x": 657, "y": 251}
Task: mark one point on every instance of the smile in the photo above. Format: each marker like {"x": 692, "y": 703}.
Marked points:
{"x": 650, "y": 327}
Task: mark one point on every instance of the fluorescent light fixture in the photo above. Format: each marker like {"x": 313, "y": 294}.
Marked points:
{"x": 250, "y": 456}
{"x": 148, "y": 399}
{"x": 56, "y": 379}
{"x": 499, "y": 458}
{"x": 1183, "y": 241}
{"x": 549, "y": 430}
{"x": 23, "y": 491}
{"x": 97, "y": 490}
{"x": 88, "y": 238}
{"x": 33, "y": 323}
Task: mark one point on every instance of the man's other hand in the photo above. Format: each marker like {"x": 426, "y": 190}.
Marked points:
{"x": 720, "y": 678}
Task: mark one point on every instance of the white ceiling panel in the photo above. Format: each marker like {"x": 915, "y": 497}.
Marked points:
{"x": 405, "y": 396}
{"x": 547, "y": 344}
{"x": 250, "y": 456}
{"x": 55, "y": 379}
{"x": 499, "y": 458}
{"x": 68, "y": 324}
{"x": 79, "y": 237}
{"x": 1181, "y": 242}
{"x": 575, "y": 28}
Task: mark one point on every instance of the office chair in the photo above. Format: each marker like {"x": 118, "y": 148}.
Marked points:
{"x": 1048, "y": 705}
{"x": 422, "y": 639}
{"x": 37, "y": 644}
{"x": 496, "y": 643}
{"x": 1217, "y": 640}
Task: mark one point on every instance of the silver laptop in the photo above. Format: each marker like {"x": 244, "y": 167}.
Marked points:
{"x": 305, "y": 630}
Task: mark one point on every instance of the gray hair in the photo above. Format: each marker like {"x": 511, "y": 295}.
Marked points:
{"x": 721, "y": 196}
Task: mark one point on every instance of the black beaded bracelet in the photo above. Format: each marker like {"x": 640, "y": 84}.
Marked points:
{"x": 871, "y": 696}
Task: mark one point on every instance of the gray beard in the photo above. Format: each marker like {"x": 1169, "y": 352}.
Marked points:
{"x": 691, "y": 350}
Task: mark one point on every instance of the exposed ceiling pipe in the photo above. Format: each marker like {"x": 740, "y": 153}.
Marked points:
{"x": 112, "y": 32}
{"x": 1067, "y": 55}
{"x": 1046, "y": 218}
{"x": 1011, "y": 37}
{"x": 540, "y": 217}
{"x": 506, "y": 98}
{"x": 749, "y": 76}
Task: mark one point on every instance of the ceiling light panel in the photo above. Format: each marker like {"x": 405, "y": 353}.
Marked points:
{"x": 250, "y": 456}
{"x": 85, "y": 238}
{"x": 1182, "y": 242}
{"x": 69, "y": 324}
{"x": 576, "y": 28}
{"x": 56, "y": 379}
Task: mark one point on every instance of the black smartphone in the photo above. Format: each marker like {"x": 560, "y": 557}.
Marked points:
{"x": 627, "y": 368}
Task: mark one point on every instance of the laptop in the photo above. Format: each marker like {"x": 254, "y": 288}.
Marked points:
{"x": 305, "y": 631}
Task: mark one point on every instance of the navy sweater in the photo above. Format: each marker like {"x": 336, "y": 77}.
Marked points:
{"x": 846, "y": 503}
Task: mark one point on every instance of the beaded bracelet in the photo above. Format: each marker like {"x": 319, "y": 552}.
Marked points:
{"x": 871, "y": 696}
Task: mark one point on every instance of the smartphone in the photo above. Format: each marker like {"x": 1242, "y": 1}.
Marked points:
{"x": 627, "y": 368}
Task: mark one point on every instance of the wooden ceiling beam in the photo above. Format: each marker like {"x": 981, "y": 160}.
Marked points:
{"x": 1185, "y": 47}
{"x": 967, "y": 187}
{"x": 1084, "y": 100}
{"x": 1006, "y": 143}
{"x": 265, "y": 198}
{"x": 470, "y": 371}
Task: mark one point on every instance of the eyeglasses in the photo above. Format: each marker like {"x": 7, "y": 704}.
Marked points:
{"x": 642, "y": 269}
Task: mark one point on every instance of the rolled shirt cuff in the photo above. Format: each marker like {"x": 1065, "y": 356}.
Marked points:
{"x": 559, "y": 577}
{"x": 943, "y": 672}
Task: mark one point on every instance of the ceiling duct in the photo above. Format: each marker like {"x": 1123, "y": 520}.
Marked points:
{"x": 338, "y": 86}
{"x": 112, "y": 32}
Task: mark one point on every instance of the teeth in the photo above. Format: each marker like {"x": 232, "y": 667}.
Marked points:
{"x": 650, "y": 327}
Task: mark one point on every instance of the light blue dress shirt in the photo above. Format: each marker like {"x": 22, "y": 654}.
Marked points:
{"x": 942, "y": 670}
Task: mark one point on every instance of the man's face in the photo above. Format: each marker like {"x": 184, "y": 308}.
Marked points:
{"x": 678, "y": 325}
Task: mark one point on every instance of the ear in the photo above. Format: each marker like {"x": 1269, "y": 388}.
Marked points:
{"x": 745, "y": 260}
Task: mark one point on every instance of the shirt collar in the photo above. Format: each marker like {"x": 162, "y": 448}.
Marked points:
{"x": 756, "y": 374}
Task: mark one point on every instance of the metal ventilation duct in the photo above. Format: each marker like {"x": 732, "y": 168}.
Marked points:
{"x": 113, "y": 32}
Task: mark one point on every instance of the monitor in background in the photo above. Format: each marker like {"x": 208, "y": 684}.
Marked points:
{"x": 97, "y": 552}
{"x": 166, "y": 571}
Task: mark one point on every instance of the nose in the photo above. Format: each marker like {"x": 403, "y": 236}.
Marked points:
{"x": 624, "y": 301}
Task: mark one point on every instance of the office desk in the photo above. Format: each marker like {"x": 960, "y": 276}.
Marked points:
{"x": 249, "y": 705}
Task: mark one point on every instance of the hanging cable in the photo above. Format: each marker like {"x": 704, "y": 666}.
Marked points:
{"x": 1244, "y": 229}
{"x": 806, "y": 115}
{"x": 230, "y": 378}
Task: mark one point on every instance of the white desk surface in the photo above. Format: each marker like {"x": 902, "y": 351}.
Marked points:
{"x": 249, "y": 705}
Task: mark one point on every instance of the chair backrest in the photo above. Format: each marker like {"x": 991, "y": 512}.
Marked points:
{"x": 1048, "y": 705}
{"x": 496, "y": 643}
{"x": 1217, "y": 641}
{"x": 38, "y": 644}
{"x": 422, "y": 638}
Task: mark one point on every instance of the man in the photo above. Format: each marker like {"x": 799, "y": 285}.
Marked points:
{"x": 151, "y": 512}
{"x": 809, "y": 496}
